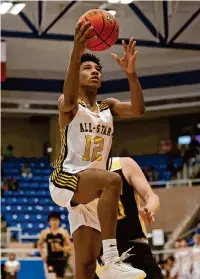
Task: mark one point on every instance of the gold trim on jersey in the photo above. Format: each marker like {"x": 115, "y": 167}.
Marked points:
{"x": 115, "y": 164}
{"x": 60, "y": 178}
{"x": 82, "y": 103}
{"x": 103, "y": 106}
{"x": 63, "y": 136}
{"x": 65, "y": 180}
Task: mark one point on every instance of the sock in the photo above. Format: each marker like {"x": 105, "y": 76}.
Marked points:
{"x": 109, "y": 249}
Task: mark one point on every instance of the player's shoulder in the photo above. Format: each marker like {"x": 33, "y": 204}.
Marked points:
{"x": 63, "y": 231}
{"x": 111, "y": 101}
{"x": 103, "y": 105}
{"x": 45, "y": 232}
{"x": 127, "y": 162}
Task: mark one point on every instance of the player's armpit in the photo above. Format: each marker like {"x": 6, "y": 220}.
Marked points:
{"x": 120, "y": 109}
{"x": 66, "y": 107}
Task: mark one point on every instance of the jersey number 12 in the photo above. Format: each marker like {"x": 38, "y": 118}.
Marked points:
{"x": 99, "y": 143}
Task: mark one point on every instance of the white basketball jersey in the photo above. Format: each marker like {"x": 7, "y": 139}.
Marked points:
{"x": 87, "y": 140}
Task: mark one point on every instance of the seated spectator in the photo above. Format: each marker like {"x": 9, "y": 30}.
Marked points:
{"x": 152, "y": 174}
{"x": 9, "y": 150}
{"x": 14, "y": 184}
{"x": 171, "y": 268}
{"x": 2, "y": 158}
{"x": 26, "y": 171}
{"x": 171, "y": 168}
{"x": 12, "y": 267}
{"x": 3, "y": 224}
{"x": 4, "y": 184}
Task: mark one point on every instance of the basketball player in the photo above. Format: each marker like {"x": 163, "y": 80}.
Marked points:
{"x": 58, "y": 246}
{"x": 131, "y": 231}
{"x": 86, "y": 131}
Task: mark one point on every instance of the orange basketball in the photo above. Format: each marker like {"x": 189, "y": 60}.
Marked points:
{"x": 106, "y": 28}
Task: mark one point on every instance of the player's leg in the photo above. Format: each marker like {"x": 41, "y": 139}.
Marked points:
{"x": 60, "y": 267}
{"x": 87, "y": 245}
{"x": 106, "y": 186}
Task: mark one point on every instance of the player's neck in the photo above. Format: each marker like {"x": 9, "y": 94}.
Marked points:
{"x": 88, "y": 97}
{"x": 54, "y": 230}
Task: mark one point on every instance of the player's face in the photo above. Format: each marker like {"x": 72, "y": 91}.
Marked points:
{"x": 54, "y": 223}
{"x": 90, "y": 75}
{"x": 11, "y": 257}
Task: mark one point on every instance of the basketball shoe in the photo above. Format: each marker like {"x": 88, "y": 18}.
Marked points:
{"x": 116, "y": 269}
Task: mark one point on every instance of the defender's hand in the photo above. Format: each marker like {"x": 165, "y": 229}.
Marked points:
{"x": 80, "y": 38}
{"x": 147, "y": 215}
{"x": 127, "y": 63}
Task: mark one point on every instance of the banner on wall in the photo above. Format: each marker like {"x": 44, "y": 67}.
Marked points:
{"x": 3, "y": 60}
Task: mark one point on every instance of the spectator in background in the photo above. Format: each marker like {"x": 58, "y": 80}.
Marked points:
{"x": 162, "y": 267}
{"x": 12, "y": 267}
{"x": 3, "y": 224}
{"x": 4, "y": 184}
{"x": 26, "y": 171}
{"x": 196, "y": 257}
{"x": 14, "y": 184}
{"x": 177, "y": 244}
{"x": 9, "y": 150}
{"x": 152, "y": 174}
{"x": 171, "y": 168}
{"x": 171, "y": 269}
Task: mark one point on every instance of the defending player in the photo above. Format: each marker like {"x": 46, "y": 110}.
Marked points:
{"x": 58, "y": 246}
{"x": 131, "y": 231}
{"x": 86, "y": 134}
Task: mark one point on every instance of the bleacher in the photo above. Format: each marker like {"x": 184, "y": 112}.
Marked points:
{"x": 30, "y": 205}
{"x": 159, "y": 163}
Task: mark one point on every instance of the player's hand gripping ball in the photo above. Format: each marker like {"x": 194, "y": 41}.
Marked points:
{"x": 106, "y": 29}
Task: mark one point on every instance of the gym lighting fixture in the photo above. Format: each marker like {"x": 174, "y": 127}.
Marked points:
{"x": 12, "y": 8}
{"x": 5, "y": 7}
{"x": 120, "y": 1}
{"x": 17, "y": 8}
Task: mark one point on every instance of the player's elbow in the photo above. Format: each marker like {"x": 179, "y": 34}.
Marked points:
{"x": 138, "y": 113}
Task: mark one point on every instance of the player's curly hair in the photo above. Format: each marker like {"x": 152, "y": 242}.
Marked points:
{"x": 86, "y": 57}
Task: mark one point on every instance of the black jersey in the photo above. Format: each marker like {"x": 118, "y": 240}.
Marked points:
{"x": 51, "y": 240}
{"x": 129, "y": 225}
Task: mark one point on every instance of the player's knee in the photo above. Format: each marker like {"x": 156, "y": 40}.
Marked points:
{"x": 116, "y": 182}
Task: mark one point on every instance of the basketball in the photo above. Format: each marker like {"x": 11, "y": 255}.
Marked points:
{"x": 106, "y": 28}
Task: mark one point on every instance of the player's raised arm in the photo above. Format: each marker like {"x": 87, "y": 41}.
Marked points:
{"x": 68, "y": 100}
{"x": 136, "y": 107}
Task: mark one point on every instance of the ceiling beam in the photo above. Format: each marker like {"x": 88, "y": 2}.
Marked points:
{"x": 143, "y": 18}
{"x": 28, "y": 23}
{"x": 70, "y": 38}
{"x": 165, "y": 20}
{"x": 40, "y": 13}
{"x": 66, "y": 9}
{"x": 185, "y": 26}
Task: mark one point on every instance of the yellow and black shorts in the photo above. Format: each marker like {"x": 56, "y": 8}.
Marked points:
{"x": 65, "y": 180}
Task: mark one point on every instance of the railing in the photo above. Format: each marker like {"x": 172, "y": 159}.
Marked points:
{"x": 176, "y": 183}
